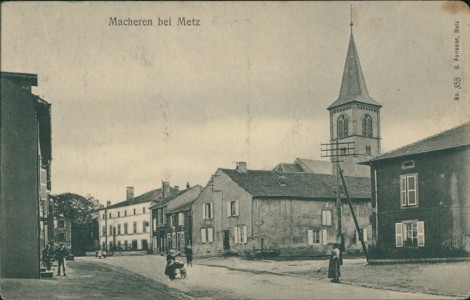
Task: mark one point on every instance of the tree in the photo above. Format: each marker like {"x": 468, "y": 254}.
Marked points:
{"x": 83, "y": 215}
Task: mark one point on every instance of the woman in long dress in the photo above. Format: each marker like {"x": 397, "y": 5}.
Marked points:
{"x": 334, "y": 264}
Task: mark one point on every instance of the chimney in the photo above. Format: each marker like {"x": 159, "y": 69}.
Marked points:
{"x": 241, "y": 167}
{"x": 108, "y": 203}
{"x": 187, "y": 185}
{"x": 130, "y": 194}
{"x": 165, "y": 189}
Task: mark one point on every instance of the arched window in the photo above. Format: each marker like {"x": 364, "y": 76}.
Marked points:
{"x": 367, "y": 126}
{"x": 342, "y": 127}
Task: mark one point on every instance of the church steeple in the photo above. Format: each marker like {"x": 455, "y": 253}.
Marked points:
{"x": 353, "y": 85}
{"x": 355, "y": 116}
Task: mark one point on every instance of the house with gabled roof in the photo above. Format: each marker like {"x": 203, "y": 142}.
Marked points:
{"x": 126, "y": 225}
{"x": 291, "y": 213}
{"x": 171, "y": 220}
{"x": 306, "y": 165}
{"x": 421, "y": 193}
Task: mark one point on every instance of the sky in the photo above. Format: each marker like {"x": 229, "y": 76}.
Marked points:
{"x": 135, "y": 105}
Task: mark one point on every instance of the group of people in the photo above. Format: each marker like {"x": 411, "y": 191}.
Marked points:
{"x": 101, "y": 254}
{"x": 49, "y": 255}
{"x": 172, "y": 265}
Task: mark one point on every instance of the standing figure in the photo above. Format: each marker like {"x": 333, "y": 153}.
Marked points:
{"x": 189, "y": 254}
{"x": 61, "y": 254}
{"x": 47, "y": 256}
{"x": 99, "y": 254}
{"x": 170, "y": 269}
{"x": 334, "y": 264}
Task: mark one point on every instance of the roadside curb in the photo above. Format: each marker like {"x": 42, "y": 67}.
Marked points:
{"x": 417, "y": 260}
{"x": 352, "y": 283}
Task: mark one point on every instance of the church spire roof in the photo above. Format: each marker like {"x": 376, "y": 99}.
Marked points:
{"x": 353, "y": 85}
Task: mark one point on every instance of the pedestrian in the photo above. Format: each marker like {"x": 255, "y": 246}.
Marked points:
{"x": 189, "y": 254}
{"x": 46, "y": 256}
{"x": 61, "y": 254}
{"x": 334, "y": 264}
{"x": 99, "y": 254}
{"x": 104, "y": 253}
{"x": 170, "y": 269}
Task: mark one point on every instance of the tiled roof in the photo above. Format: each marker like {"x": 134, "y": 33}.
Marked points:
{"x": 270, "y": 184}
{"x": 315, "y": 166}
{"x": 167, "y": 199}
{"x": 456, "y": 137}
{"x": 153, "y": 195}
{"x": 184, "y": 199}
{"x": 353, "y": 85}
{"x": 284, "y": 167}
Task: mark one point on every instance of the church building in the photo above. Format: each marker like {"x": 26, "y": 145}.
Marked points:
{"x": 355, "y": 118}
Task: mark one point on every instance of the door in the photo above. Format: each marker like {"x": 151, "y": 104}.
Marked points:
{"x": 226, "y": 240}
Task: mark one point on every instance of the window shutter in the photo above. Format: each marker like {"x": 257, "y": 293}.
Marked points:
{"x": 364, "y": 235}
{"x": 229, "y": 209}
{"x": 420, "y": 234}
{"x": 309, "y": 237}
{"x": 235, "y": 234}
{"x": 324, "y": 236}
{"x": 236, "y": 208}
{"x": 203, "y": 235}
{"x": 210, "y": 235}
{"x": 323, "y": 217}
{"x": 204, "y": 211}
{"x": 211, "y": 206}
{"x": 245, "y": 234}
{"x": 403, "y": 190}
{"x": 398, "y": 234}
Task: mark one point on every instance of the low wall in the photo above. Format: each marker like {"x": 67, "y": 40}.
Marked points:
{"x": 120, "y": 253}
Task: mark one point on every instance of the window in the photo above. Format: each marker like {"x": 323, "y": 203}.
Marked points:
{"x": 110, "y": 215}
{"x": 342, "y": 127}
{"x": 326, "y": 217}
{"x": 125, "y": 228}
{"x": 144, "y": 226}
{"x": 208, "y": 210}
{"x": 104, "y": 215}
{"x": 232, "y": 208}
{"x": 240, "y": 234}
{"x": 409, "y": 190}
{"x": 317, "y": 237}
{"x": 408, "y": 164}
{"x": 181, "y": 219}
{"x": 135, "y": 227}
{"x": 145, "y": 245}
{"x": 126, "y": 245}
{"x": 134, "y": 244}
{"x": 368, "y": 151}
{"x": 119, "y": 244}
{"x": 143, "y": 210}
{"x": 409, "y": 234}
{"x": 172, "y": 221}
{"x": 119, "y": 229}
{"x": 110, "y": 245}
{"x": 61, "y": 236}
{"x": 103, "y": 230}
{"x": 160, "y": 216}
{"x": 134, "y": 211}
{"x": 154, "y": 220}
{"x": 119, "y": 214}
{"x": 110, "y": 229}
{"x": 367, "y": 126}
{"x": 125, "y": 213}
{"x": 207, "y": 235}
{"x": 203, "y": 235}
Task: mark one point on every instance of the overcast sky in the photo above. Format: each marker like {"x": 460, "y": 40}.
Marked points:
{"x": 134, "y": 105}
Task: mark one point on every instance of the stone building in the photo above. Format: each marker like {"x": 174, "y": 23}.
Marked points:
{"x": 25, "y": 181}
{"x": 421, "y": 193}
{"x": 355, "y": 118}
{"x": 292, "y": 213}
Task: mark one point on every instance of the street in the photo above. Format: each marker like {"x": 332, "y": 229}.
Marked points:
{"x": 142, "y": 277}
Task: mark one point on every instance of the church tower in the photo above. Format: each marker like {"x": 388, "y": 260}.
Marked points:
{"x": 355, "y": 117}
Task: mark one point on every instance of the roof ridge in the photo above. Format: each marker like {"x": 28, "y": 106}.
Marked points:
{"x": 422, "y": 140}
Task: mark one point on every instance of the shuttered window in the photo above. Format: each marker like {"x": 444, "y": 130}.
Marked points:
{"x": 399, "y": 234}
{"x": 203, "y": 235}
{"x": 326, "y": 217}
{"x": 210, "y": 235}
{"x": 409, "y": 190}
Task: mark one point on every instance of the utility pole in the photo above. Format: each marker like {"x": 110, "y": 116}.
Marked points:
{"x": 335, "y": 151}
